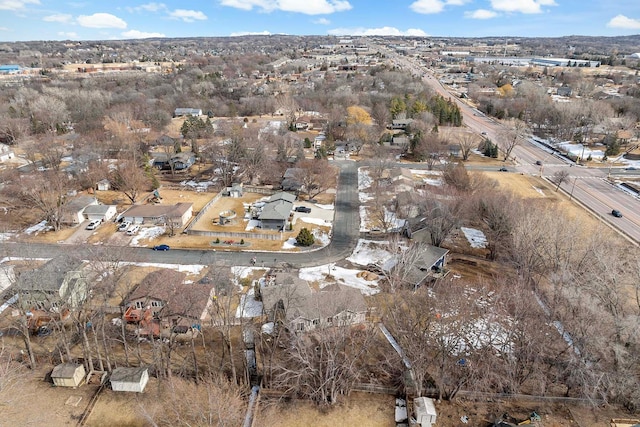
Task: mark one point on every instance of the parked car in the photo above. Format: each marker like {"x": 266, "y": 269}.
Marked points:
{"x": 133, "y": 230}
{"x": 503, "y": 169}
{"x": 161, "y": 247}
{"x": 302, "y": 209}
{"x": 538, "y": 162}
{"x": 123, "y": 226}
{"x": 616, "y": 213}
{"x": 93, "y": 224}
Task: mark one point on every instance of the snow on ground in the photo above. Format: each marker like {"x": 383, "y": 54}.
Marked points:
{"x": 370, "y": 252}
{"x": 248, "y": 306}
{"x": 323, "y": 238}
{"x": 343, "y": 276}
{"x": 253, "y": 223}
{"x": 539, "y": 190}
{"x": 430, "y": 177}
{"x": 6, "y": 236}
{"x": 364, "y": 182}
{"x": 390, "y": 218}
{"x": 200, "y": 186}
{"x": 364, "y": 218}
{"x": 476, "y": 238}
{"x": 580, "y": 150}
{"x": 241, "y": 272}
{"x": 147, "y": 233}
{"x": 290, "y": 243}
{"x": 184, "y": 268}
{"x": 41, "y": 226}
{"x": 327, "y": 207}
{"x": 316, "y": 221}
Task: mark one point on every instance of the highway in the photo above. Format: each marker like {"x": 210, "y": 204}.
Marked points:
{"x": 592, "y": 189}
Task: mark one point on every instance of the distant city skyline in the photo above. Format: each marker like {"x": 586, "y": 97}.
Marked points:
{"x": 26, "y": 20}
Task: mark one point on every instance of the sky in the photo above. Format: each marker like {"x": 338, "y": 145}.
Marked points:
{"x": 25, "y": 20}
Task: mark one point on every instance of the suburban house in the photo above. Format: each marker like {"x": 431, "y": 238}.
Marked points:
{"x": 275, "y": 212}
{"x": 182, "y": 161}
{"x": 430, "y": 261}
{"x": 319, "y": 140}
{"x": 401, "y": 178}
{"x": 163, "y": 301}
{"x": 73, "y": 211}
{"x": 100, "y": 212}
{"x": 178, "y": 214}
{"x": 564, "y": 90}
{"x": 165, "y": 140}
{"x": 303, "y": 123}
{"x": 129, "y": 379}
{"x": 58, "y": 283}
{"x": 289, "y": 300}
{"x": 291, "y": 180}
{"x": 68, "y": 375}
{"x": 181, "y": 112}
{"x": 235, "y": 190}
{"x": 400, "y": 124}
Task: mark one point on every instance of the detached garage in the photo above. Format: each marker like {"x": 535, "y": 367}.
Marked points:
{"x": 100, "y": 212}
{"x": 68, "y": 375}
{"x": 129, "y": 379}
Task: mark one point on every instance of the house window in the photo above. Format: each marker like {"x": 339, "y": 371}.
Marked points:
{"x": 156, "y": 303}
{"x": 315, "y": 322}
{"x": 329, "y": 319}
{"x": 300, "y": 326}
{"x": 139, "y": 305}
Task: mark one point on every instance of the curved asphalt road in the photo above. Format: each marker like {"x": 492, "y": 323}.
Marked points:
{"x": 346, "y": 231}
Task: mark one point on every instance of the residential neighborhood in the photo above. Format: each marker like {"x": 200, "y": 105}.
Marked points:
{"x": 413, "y": 230}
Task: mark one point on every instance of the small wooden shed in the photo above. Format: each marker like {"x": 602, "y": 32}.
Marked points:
{"x": 68, "y": 375}
{"x": 129, "y": 379}
{"x": 425, "y": 411}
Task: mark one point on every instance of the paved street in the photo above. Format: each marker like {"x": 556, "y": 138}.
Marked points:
{"x": 346, "y": 228}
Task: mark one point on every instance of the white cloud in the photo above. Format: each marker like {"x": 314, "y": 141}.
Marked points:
{"x": 148, "y": 7}
{"x": 322, "y": 21}
{"x": 135, "y": 34}
{"x": 68, "y": 35}
{"x": 16, "y": 4}
{"x": 383, "y": 31}
{"x": 621, "y": 21}
{"x": 522, "y": 6}
{"x": 101, "y": 20}
{"x": 307, "y": 7}
{"x": 188, "y": 15}
{"x": 4, "y": 29}
{"x": 250, "y": 33}
{"x": 428, "y": 7}
{"x": 58, "y": 17}
{"x": 480, "y": 14}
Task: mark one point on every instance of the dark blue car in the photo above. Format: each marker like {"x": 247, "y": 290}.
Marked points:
{"x": 161, "y": 248}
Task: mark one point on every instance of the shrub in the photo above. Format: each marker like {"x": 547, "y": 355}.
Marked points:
{"x": 305, "y": 238}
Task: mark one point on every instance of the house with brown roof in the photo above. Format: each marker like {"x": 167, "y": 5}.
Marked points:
{"x": 163, "y": 301}
{"x": 178, "y": 214}
{"x": 288, "y": 299}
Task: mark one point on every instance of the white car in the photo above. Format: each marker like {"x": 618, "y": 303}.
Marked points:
{"x": 123, "y": 226}
{"x": 133, "y": 230}
{"x": 93, "y": 224}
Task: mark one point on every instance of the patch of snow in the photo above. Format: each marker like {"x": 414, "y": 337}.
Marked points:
{"x": 290, "y": 243}
{"x": 580, "y": 150}
{"x": 6, "y": 236}
{"x": 539, "y": 190}
{"x": 316, "y": 221}
{"x": 41, "y": 226}
{"x": 253, "y": 223}
{"x": 249, "y": 306}
{"x": 183, "y": 268}
{"x": 364, "y": 218}
{"x": 327, "y": 207}
{"x": 321, "y": 237}
{"x": 370, "y": 252}
{"x": 364, "y": 182}
{"x": 476, "y": 238}
{"x": 147, "y": 233}
{"x": 433, "y": 182}
{"x": 242, "y": 272}
{"x": 342, "y": 275}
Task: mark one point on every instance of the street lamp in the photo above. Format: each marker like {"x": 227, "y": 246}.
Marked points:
{"x": 572, "y": 187}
